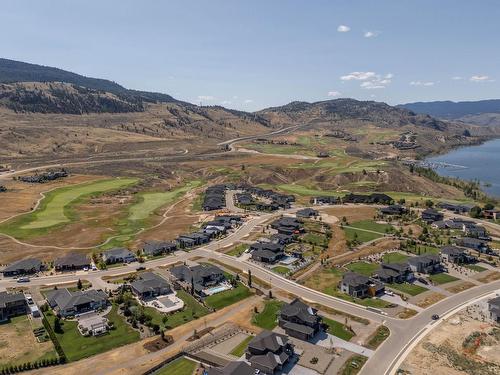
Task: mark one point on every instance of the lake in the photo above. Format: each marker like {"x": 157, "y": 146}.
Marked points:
{"x": 480, "y": 162}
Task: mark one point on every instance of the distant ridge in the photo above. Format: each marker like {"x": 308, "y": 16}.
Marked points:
{"x": 454, "y": 110}
{"x": 12, "y": 71}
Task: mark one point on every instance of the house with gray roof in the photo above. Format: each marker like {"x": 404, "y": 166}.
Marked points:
{"x": 307, "y": 213}
{"x": 23, "y": 267}
{"x": 269, "y": 352}
{"x": 360, "y": 286}
{"x": 232, "y": 368}
{"x": 150, "y": 285}
{"x": 475, "y": 244}
{"x": 118, "y": 255}
{"x": 11, "y": 305}
{"x": 72, "y": 262}
{"x": 429, "y": 263}
{"x": 68, "y": 303}
{"x": 494, "y": 309}
{"x": 154, "y": 248}
{"x": 457, "y": 255}
{"x": 299, "y": 320}
{"x": 199, "y": 277}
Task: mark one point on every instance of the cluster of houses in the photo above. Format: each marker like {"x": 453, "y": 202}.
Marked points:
{"x": 211, "y": 230}
{"x": 374, "y": 198}
{"x": 215, "y": 198}
{"x": 274, "y": 201}
{"x": 362, "y": 286}
{"x": 271, "y": 352}
{"x": 44, "y": 177}
{"x": 201, "y": 279}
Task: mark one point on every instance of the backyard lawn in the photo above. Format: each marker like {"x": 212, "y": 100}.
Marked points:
{"x": 363, "y": 268}
{"x": 475, "y": 267}
{"x": 407, "y": 288}
{"x": 238, "y": 250}
{"x": 442, "y": 278}
{"x": 281, "y": 270}
{"x": 267, "y": 318}
{"x": 180, "y": 366}
{"x": 239, "y": 350}
{"x": 192, "y": 310}
{"x": 76, "y": 346}
{"x": 394, "y": 258}
{"x": 228, "y": 297}
{"x": 338, "y": 329}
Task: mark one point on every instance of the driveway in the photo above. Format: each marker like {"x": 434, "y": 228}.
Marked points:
{"x": 328, "y": 341}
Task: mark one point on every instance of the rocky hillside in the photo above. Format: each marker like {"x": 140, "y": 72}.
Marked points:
{"x": 454, "y": 110}
{"x": 383, "y": 115}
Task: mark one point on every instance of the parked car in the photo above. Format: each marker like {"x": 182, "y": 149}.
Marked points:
{"x": 23, "y": 280}
{"x": 389, "y": 293}
{"x": 435, "y": 317}
{"x": 141, "y": 268}
{"x": 423, "y": 281}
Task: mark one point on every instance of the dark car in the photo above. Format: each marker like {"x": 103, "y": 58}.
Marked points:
{"x": 141, "y": 268}
{"x": 435, "y": 317}
{"x": 423, "y": 281}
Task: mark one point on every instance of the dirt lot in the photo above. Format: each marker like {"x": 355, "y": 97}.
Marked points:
{"x": 459, "y": 346}
{"x": 351, "y": 213}
{"x": 429, "y": 298}
{"x": 18, "y": 344}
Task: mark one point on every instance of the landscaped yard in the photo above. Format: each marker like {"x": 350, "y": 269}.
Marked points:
{"x": 353, "y": 365}
{"x": 475, "y": 267}
{"x": 366, "y": 230}
{"x": 239, "y": 350}
{"x": 76, "y": 346}
{"x": 394, "y": 258}
{"x": 18, "y": 344}
{"x": 363, "y": 268}
{"x": 192, "y": 310}
{"x": 281, "y": 270}
{"x": 238, "y": 250}
{"x": 380, "y": 335}
{"x": 407, "y": 288}
{"x": 442, "y": 278}
{"x": 228, "y": 297}
{"x": 338, "y": 329}
{"x": 267, "y": 318}
{"x": 180, "y": 366}
{"x": 315, "y": 239}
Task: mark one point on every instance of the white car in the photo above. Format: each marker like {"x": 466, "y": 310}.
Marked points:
{"x": 23, "y": 280}
{"x": 389, "y": 293}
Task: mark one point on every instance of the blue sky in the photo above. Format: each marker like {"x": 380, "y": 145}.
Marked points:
{"x": 259, "y": 53}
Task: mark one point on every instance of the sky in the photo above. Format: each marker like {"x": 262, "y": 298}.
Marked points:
{"x": 254, "y": 54}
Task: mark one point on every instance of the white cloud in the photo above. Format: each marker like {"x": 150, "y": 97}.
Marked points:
{"x": 371, "y": 80}
{"x": 420, "y": 83}
{"x": 371, "y": 34}
{"x": 248, "y": 101}
{"x": 457, "y": 78}
{"x": 334, "y": 93}
{"x": 359, "y": 76}
{"x": 480, "y": 78}
{"x": 206, "y": 98}
{"x": 225, "y": 102}
{"x": 343, "y": 29}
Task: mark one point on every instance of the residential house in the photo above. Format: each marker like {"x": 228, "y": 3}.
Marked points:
{"x": 72, "y": 262}
{"x": 456, "y": 208}
{"x": 393, "y": 210}
{"x": 360, "y": 286}
{"x": 394, "y": 273}
{"x": 491, "y": 214}
{"x": 431, "y": 215}
{"x": 23, "y": 267}
{"x": 299, "y": 320}
{"x": 215, "y": 198}
{"x": 476, "y": 231}
{"x": 11, "y": 305}
{"x": 324, "y": 200}
{"x": 155, "y": 248}
{"x": 267, "y": 252}
{"x": 428, "y": 263}
{"x": 118, "y": 255}
{"x": 269, "y": 352}
{"x": 67, "y": 303}
{"x": 375, "y": 198}
{"x": 199, "y": 277}
{"x": 307, "y": 213}
{"x": 232, "y": 368}
{"x": 457, "y": 255}
{"x": 475, "y": 244}
{"x": 494, "y": 309}
{"x": 282, "y": 239}
{"x": 150, "y": 285}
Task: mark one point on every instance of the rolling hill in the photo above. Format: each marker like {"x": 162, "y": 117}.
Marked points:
{"x": 454, "y": 110}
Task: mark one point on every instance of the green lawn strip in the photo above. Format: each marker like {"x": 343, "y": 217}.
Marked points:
{"x": 238, "y": 250}
{"x": 198, "y": 202}
{"x": 371, "y": 225}
{"x": 353, "y": 365}
{"x": 361, "y": 235}
{"x": 179, "y": 366}
{"x": 424, "y": 249}
{"x": 394, "y": 258}
{"x": 228, "y": 297}
{"x": 57, "y": 208}
{"x": 475, "y": 267}
{"x": 192, "y": 310}
{"x": 338, "y": 329}
{"x": 368, "y": 302}
{"x": 282, "y": 270}
{"x": 239, "y": 350}
{"x": 76, "y": 346}
{"x": 267, "y": 318}
{"x": 317, "y": 239}
{"x": 363, "y": 268}
{"x": 442, "y": 278}
{"x": 378, "y": 337}
{"x": 410, "y": 289}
